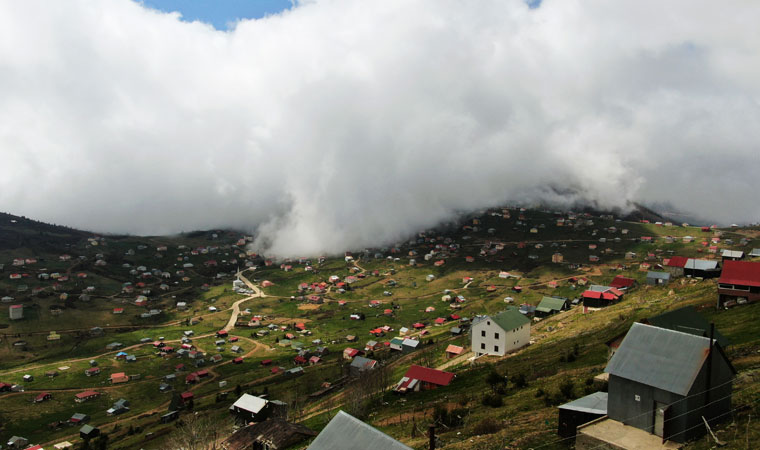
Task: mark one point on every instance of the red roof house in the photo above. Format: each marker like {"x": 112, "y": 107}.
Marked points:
{"x": 739, "y": 279}
{"x": 86, "y": 395}
{"x": 423, "y": 378}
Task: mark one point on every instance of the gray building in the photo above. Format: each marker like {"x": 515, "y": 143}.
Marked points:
{"x": 580, "y": 411}
{"x": 658, "y": 278}
{"x": 345, "y": 432}
{"x": 663, "y": 381}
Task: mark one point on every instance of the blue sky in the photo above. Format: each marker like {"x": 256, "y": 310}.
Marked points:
{"x": 219, "y": 13}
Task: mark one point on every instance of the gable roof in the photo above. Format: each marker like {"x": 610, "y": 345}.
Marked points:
{"x": 659, "y": 357}
{"x": 687, "y": 320}
{"x": 428, "y": 375}
{"x": 510, "y": 319}
{"x": 549, "y": 304}
{"x": 701, "y": 264}
{"x": 658, "y": 275}
{"x": 595, "y": 403}
{"x": 250, "y": 403}
{"x": 363, "y": 363}
{"x": 273, "y": 431}
{"x": 744, "y": 273}
{"x": 677, "y": 261}
{"x": 345, "y": 432}
{"x": 622, "y": 282}
{"x": 732, "y": 253}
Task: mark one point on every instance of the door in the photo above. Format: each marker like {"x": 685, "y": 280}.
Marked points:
{"x": 659, "y": 418}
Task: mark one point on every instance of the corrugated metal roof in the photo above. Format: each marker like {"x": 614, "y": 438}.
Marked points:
{"x": 740, "y": 272}
{"x": 732, "y": 254}
{"x": 250, "y": 403}
{"x": 595, "y": 403}
{"x": 551, "y": 303}
{"x": 510, "y": 319}
{"x": 345, "y": 432}
{"x": 659, "y": 275}
{"x": 666, "y": 359}
{"x": 701, "y": 264}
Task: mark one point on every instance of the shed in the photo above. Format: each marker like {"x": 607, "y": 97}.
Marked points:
{"x": 658, "y": 278}
{"x": 551, "y": 305}
{"x": 580, "y": 411}
{"x": 656, "y": 369}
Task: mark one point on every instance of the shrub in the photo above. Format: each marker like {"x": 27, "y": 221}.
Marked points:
{"x": 519, "y": 380}
{"x": 567, "y": 389}
{"x": 540, "y": 392}
{"x": 486, "y": 426}
{"x": 492, "y": 400}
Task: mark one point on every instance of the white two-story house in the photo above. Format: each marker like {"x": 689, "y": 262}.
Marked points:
{"x": 500, "y": 334}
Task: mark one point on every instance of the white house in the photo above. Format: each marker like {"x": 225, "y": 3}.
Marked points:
{"x": 500, "y": 334}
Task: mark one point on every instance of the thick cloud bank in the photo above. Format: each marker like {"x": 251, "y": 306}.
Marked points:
{"x": 345, "y": 123}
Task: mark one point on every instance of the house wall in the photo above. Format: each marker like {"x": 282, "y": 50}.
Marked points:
{"x": 569, "y": 421}
{"x": 507, "y": 341}
{"x": 751, "y": 293}
{"x": 623, "y": 406}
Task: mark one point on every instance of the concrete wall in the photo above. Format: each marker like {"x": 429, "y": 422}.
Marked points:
{"x": 507, "y": 341}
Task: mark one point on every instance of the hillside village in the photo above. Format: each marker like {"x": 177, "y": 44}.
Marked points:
{"x": 513, "y": 328}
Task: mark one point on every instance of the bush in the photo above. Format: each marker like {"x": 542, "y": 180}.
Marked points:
{"x": 486, "y": 426}
{"x": 449, "y": 418}
{"x": 519, "y": 380}
{"x": 567, "y": 389}
{"x": 540, "y": 392}
{"x": 492, "y": 400}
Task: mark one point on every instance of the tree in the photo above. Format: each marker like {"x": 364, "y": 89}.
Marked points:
{"x": 197, "y": 432}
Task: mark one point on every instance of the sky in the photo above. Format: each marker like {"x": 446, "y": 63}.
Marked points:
{"x": 343, "y": 124}
{"x": 222, "y": 14}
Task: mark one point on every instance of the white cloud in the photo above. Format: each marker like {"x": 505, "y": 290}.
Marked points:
{"x": 346, "y": 124}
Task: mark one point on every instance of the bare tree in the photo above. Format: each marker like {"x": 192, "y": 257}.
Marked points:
{"x": 197, "y": 432}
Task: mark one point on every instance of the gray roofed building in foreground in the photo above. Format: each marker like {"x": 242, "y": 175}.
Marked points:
{"x": 345, "y": 432}
{"x": 665, "y": 359}
{"x": 595, "y": 403}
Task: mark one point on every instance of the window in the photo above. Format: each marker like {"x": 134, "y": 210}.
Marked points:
{"x": 483, "y": 346}
{"x": 496, "y": 335}
{"x": 483, "y": 333}
{"x": 488, "y": 322}
{"x": 496, "y": 348}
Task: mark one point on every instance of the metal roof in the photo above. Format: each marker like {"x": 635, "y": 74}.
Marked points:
{"x": 595, "y": 403}
{"x": 665, "y": 359}
{"x": 551, "y": 304}
{"x": 755, "y": 252}
{"x": 732, "y": 253}
{"x": 345, "y": 432}
{"x": 250, "y": 403}
{"x": 701, "y": 264}
{"x": 659, "y": 275}
{"x": 510, "y": 319}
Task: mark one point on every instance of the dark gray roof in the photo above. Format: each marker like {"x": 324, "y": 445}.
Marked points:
{"x": 659, "y": 275}
{"x": 345, "y": 432}
{"x": 595, "y": 403}
{"x": 666, "y": 359}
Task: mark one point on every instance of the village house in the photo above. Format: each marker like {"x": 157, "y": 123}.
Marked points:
{"x": 581, "y": 411}
{"x": 360, "y": 364}
{"x": 88, "y": 432}
{"x": 86, "y": 395}
{"x": 652, "y": 373}
{"x": 739, "y": 281}
{"x": 119, "y": 407}
{"x": 601, "y": 296}
{"x": 249, "y": 408}
{"x": 731, "y": 255}
{"x": 622, "y": 283}
{"x": 500, "y": 334}
{"x": 658, "y": 278}
{"x": 16, "y": 312}
{"x": 419, "y": 378}
{"x": 345, "y": 432}
{"x": 551, "y": 305}
{"x": 452, "y": 351}
{"x": 273, "y": 434}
